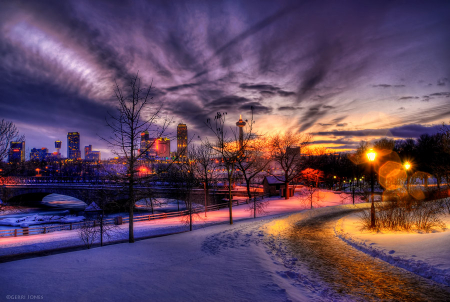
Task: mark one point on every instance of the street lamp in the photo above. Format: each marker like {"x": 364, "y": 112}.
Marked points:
{"x": 371, "y": 156}
{"x": 407, "y": 166}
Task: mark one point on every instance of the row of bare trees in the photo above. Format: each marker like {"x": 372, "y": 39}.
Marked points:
{"x": 247, "y": 157}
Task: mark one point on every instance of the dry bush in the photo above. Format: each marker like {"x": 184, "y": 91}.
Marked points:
{"x": 445, "y": 203}
{"x": 257, "y": 205}
{"x": 88, "y": 232}
{"x": 405, "y": 214}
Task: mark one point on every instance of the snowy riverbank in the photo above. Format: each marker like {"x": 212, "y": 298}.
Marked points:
{"x": 27, "y": 221}
{"x": 425, "y": 254}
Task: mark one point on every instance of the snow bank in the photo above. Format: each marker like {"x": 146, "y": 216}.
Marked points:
{"x": 276, "y": 206}
{"x": 221, "y": 263}
{"x": 40, "y": 219}
{"x": 425, "y": 254}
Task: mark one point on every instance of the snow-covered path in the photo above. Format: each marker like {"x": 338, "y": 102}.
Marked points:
{"x": 425, "y": 254}
{"x": 350, "y": 272}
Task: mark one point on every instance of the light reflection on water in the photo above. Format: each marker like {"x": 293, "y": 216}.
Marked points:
{"x": 63, "y": 202}
{"x": 56, "y": 205}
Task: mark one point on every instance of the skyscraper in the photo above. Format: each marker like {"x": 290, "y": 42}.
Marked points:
{"x": 58, "y": 148}
{"x": 93, "y": 156}
{"x": 162, "y": 147}
{"x": 38, "y": 154}
{"x": 145, "y": 143}
{"x": 182, "y": 140}
{"x": 73, "y": 145}
{"x": 16, "y": 152}
{"x": 87, "y": 150}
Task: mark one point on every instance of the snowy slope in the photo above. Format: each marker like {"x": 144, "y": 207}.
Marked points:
{"x": 275, "y": 206}
{"x": 26, "y": 221}
{"x": 425, "y": 254}
{"x": 217, "y": 263}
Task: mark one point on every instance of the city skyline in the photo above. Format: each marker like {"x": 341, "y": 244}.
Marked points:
{"x": 344, "y": 72}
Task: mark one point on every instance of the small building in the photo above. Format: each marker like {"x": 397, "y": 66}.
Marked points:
{"x": 275, "y": 186}
{"x": 92, "y": 210}
{"x": 272, "y": 185}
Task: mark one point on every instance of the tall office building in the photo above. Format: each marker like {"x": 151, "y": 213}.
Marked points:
{"x": 182, "y": 140}
{"x": 145, "y": 143}
{"x": 73, "y": 145}
{"x": 16, "y": 152}
{"x": 162, "y": 147}
{"x": 90, "y": 155}
{"x": 58, "y": 149}
{"x": 93, "y": 156}
{"x": 39, "y": 154}
{"x": 87, "y": 149}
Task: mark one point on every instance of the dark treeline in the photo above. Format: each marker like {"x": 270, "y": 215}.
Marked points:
{"x": 427, "y": 153}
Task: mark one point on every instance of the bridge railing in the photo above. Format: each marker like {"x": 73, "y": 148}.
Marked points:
{"x": 27, "y": 231}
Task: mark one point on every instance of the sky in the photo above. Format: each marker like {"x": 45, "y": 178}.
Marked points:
{"x": 344, "y": 71}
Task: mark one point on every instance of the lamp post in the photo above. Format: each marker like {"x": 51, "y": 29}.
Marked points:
{"x": 371, "y": 156}
{"x": 407, "y": 166}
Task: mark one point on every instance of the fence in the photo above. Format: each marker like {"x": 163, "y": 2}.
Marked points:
{"x": 26, "y": 231}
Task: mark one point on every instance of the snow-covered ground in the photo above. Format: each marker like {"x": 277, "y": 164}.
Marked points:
{"x": 215, "y": 263}
{"x": 425, "y": 254}
{"x": 276, "y": 206}
{"x": 26, "y": 221}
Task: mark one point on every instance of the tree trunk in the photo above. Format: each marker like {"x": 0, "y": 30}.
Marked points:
{"x": 353, "y": 195}
{"x": 286, "y": 186}
{"x": 131, "y": 201}
{"x": 190, "y": 216}
{"x": 206, "y": 196}
{"x": 230, "y": 198}
{"x": 130, "y": 224}
{"x": 151, "y": 204}
{"x": 248, "y": 188}
{"x": 101, "y": 228}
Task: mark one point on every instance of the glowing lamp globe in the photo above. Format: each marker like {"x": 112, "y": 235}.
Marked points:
{"x": 371, "y": 155}
{"x": 407, "y": 166}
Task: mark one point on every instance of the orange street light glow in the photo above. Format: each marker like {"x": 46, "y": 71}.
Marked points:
{"x": 407, "y": 165}
{"x": 371, "y": 155}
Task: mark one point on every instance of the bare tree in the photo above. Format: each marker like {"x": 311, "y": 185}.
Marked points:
{"x": 257, "y": 205}
{"x": 286, "y": 152}
{"x": 254, "y": 160}
{"x": 204, "y": 167}
{"x": 311, "y": 178}
{"x": 136, "y": 113}
{"x": 8, "y": 134}
{"x": 182, "y": 177}
{"x": 104, "y": 202}
{"x": 229, "y": 145}
{"x": 88, "y": 232}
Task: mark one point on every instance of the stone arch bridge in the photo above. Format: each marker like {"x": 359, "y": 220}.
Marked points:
{"x": 89, "y": 192}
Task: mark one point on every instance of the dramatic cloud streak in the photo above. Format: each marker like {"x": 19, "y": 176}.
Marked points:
{"x": 321, "y": 67}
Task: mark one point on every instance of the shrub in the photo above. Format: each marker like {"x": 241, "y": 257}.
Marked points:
{"x": 405, "y": 214}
